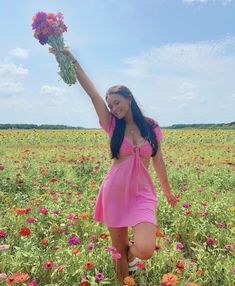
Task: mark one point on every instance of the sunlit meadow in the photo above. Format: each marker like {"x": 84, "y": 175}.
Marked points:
{"x": 48, "y": 185}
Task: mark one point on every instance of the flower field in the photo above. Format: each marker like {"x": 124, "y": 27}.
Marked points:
{"x": 48, "y": 185}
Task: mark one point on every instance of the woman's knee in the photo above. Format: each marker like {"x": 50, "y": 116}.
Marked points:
{"x": 145, "y": 251}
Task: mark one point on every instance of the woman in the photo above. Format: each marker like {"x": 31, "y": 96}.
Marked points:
{"x": 127, "y": 196}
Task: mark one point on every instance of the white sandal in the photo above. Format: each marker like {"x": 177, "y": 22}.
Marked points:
{"x": 132, "y": 265}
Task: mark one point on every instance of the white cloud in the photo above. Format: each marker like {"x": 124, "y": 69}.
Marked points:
{"x": 9, "y": 78}
{"x": 19, "y": 53}
{"x": 182, "y": 76}
{"x": 10, "y": 70}
{"x": 52, "y": 90}
{"x": 10, "y": 87}
{"x": 200, "y": 57}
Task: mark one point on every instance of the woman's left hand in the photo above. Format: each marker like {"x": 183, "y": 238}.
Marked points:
{"x": 171, "y": 199}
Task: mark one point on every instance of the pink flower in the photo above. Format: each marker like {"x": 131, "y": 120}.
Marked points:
{"x": 180, "y": 246}
{"x": 49, "y": 264}
{"x": 90, "y": 246}
{"x": 116, "y": 255}
{"x": 93, "y": 237}
{"x": 60, "y": 267}
{"x": 30, "y": 219}
{"x": 221, "y": 225}
{"x": 32, "y": 283}
{"x": 43, "y": 210}
{"x": 184, "y": 189}
{"x": 111, "y": 249}
{"x": 99, "y": 276}
{"x": 229, "y": 246}
{"x": 140, "y": 264}
{"x": 210, "y": 240}
{"x": 186, "y": 205}
{"x": 4, "y": 247}
{"x": 2, "y": 233}
{"x": 74, "y": 240}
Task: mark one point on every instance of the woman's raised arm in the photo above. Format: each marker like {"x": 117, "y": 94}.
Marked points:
{"x": 97, "y": 100}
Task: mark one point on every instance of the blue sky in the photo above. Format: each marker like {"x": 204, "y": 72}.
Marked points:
{"x": 176, "y": 56}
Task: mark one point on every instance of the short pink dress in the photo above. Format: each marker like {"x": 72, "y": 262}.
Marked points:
{"x": 127, "y": 194}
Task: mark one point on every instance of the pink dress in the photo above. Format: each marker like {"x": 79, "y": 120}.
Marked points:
{"x": 127, "y": 194}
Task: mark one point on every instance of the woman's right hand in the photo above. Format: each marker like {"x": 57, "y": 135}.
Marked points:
{"x": 65, "y": 51}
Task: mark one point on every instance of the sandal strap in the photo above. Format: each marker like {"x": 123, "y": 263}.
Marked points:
{"x": 133, "y": 262}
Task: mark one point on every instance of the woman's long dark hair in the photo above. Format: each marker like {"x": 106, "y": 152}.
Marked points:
{"x": 144, "y": 124}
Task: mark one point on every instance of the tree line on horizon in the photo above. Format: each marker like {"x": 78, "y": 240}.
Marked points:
{"x": 230, "y": 125}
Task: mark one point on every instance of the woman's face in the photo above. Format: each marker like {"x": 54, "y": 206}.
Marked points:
{"x": 118, "y": 105}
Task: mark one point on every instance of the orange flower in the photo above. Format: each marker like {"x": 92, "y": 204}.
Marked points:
{"x": 22, "y": 211}
{"x": 88, "y": 264}
{"x": 21, "y": 277}
{"x": 75, "y": 251}
{"x": 129, "y": 281}
{"x": 17, "y": 277}
{"x": 170, "y": 279}
{"x": 85, "y": 215}
{"x": 159, "y": 233}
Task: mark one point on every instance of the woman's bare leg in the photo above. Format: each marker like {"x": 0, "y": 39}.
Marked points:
{"x": 119, "y": 237}
{"x": 144, "y": 241}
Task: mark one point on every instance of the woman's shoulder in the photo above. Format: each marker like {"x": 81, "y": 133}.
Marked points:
{"x": 156, "y": 128}
{"x": 153, "y": 123}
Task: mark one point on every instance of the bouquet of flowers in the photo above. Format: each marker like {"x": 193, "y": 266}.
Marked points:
{"x": 49, "y": 29}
